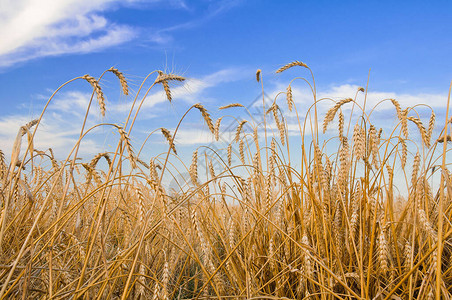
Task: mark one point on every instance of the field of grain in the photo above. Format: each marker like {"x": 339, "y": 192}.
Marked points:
{"x": 255, "y": 225}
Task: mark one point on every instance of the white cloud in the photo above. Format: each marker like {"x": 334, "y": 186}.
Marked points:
{"x": 37, "y": 28}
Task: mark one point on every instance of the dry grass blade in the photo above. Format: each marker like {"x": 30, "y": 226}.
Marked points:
{"x": 290, "y": 65}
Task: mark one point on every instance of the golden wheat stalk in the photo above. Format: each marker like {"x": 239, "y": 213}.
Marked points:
{"x": 205, "y": 114}
{"x": 231, "y": 106}
{"x": 217, "y": 128}
{"x": 168, "y": 77}
{"x": 332, "y": 112}
{"x": 290, "y": 65}
{"x": 422, "y": 131}
{"x": 194, "y": 168}
{"x": 289, "y": 98}
{"x": 239, "y": 130}
{"x": 167, "y": 134}
{"x": 122, "y": 80}
{"x": 125, "y": 137}
{"x": 258, "y": 75}
{"x": 100, "y": 95}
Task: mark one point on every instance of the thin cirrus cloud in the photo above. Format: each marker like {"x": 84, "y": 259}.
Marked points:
{"x": 32, "y": 29}
{"x": 38, "y": 28}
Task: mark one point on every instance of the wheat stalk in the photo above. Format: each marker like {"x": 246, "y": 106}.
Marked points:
{"x": 290, "y": 65}
{"x": 403, "y": 120}
{"x": 332, "y": 112}
{"x": 242, "y": 151}
{"x": 168, "y": 77}
{"x": 416, "y": 165}
{"x": 289, "y": 98}
{"x": 100, "y": 95}
{"x": 258, "y": 75}
{"x": 239, "y": 130}
{"x": 122, "y": 80}
{"x": 397, "y": 107}
{"x": 167, "y": 134}
{"x": 231, "y": 106}
{"x": 422, "y": 131}
{"x": 205, "y": 114}
{"x": 217, "y": 128}
{"x": 194, "y": 168}
{"x": 229, "y": 154}
{"x": 431, "y": 125}
{"x": 125, "y": 137}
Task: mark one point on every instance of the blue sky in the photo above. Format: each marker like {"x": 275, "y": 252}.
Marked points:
{"x": 217, "y": 45}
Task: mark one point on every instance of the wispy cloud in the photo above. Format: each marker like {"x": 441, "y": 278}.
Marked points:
{"x": 37, "y": 28}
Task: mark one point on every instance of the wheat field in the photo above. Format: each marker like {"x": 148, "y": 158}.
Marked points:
{"x": 321, "y": 218}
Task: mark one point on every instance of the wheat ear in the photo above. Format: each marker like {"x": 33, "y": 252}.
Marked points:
{"x": 290, "y": 65}
{"x": 125, "y": 137}
{"x": 168, "y": 77}
{"x": 205, "y": 114}
{"x": 217, "y": 128}
{"x": 332, "y": 112}
{"x": 100, "y": 95}
{"x": 422, "y": 130}
{"x": 231, "y": 106}
{"x": 122, "y": 80}
{"x": 258, "y": 75}
{"x": 239, "y": 130}
{"x": 167, "y": 134}
{"x": 289, "y": 98}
